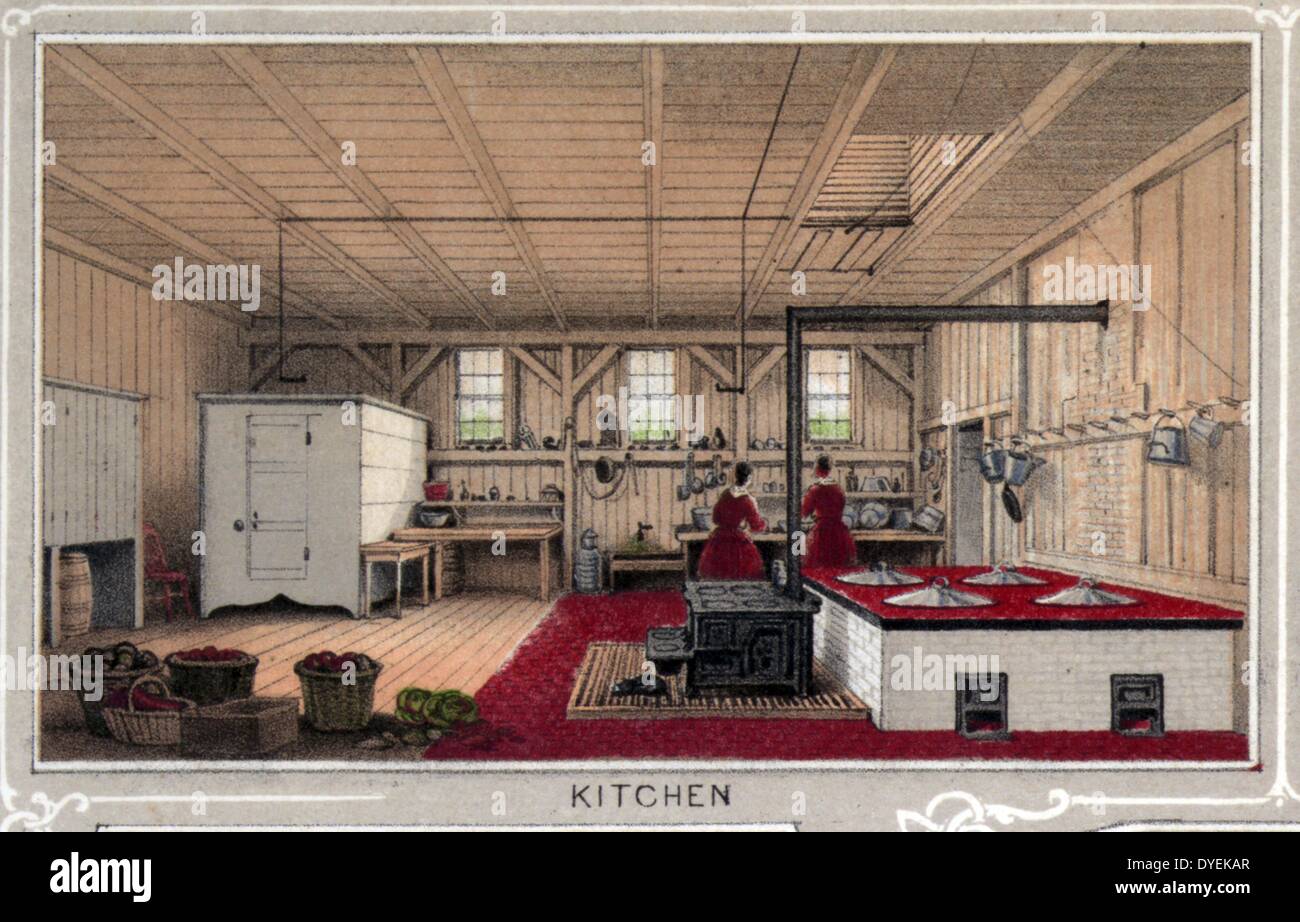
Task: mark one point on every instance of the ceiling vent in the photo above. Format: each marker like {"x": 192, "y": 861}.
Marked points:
{"x": 888, "y": 180}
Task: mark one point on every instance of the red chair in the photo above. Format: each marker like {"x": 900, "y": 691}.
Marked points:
{"x": 157, "y": 570}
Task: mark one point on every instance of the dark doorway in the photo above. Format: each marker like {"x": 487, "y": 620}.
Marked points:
{"x": 968, "y": 496}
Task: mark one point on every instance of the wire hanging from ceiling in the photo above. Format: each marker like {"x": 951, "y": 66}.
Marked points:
{"x": 742, "y": 361}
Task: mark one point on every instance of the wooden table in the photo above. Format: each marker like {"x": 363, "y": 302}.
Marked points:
{"x": 693, "y": 541}
{"x": 397, "y": 553}
{"x": 543, "y": 535}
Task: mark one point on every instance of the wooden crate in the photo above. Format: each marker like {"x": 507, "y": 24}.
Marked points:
{"x": 244, "y": 727}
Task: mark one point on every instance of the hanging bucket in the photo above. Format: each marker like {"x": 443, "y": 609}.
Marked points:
{"x": 1168, "y": 441}
{"x": 74, "y": 593}
{"x": 993, "y": 463}
{"x": 1206, "y": 428}
{"x": 1019, "y": 464}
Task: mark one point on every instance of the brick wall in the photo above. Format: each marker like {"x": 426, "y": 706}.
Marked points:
{"x": 850, "y": 646}
{"x": 1060, "y": 680}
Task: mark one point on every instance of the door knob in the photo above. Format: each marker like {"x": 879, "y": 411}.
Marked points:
{"x": 239, "y": 524}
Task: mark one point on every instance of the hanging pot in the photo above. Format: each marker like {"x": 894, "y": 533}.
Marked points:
{"x": 1019, "y": 464}
{"x": 1168, "y": 442}
{"x": 993, "y": 463}
{"x": 1205, "y": 427}
{"x": 702, "y": 518}
{"x": 604, "y": 470}
{"x": 928, "y": 457}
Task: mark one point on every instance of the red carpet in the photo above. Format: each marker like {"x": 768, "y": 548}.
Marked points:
{"x": 523, "y": 713}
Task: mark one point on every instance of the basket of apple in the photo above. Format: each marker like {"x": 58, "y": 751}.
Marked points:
{"x": 208, "y": 675}
{"x": 338, "y": 689}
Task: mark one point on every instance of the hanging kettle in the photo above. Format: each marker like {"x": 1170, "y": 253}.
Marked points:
{"x": 1020, "y": 463}
{"x": 1168, "y": 441}
{"x": 1205, "y": 427}
{"x": 993, "y": 463}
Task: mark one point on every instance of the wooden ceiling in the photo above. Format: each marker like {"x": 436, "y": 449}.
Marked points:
{"x": 530, "y": 159}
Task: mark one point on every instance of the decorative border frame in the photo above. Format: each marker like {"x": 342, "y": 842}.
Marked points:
{"x": 954, "y": 809}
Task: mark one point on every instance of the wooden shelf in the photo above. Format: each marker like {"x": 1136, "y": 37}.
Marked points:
{"x": 844, "y": 456}
{"x": 495, "y": 503}
{"x": 505, "y": 456}
{"x": 902, "y": 494}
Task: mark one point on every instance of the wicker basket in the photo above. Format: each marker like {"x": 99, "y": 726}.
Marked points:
{"x": 146, "y": 728}
{"x": 207, "y": 683}
{"x": 94, "y": 710}
{"x": 331, "y": 705}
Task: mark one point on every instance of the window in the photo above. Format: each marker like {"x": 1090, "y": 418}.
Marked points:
{"x": 830, "y": 405}
{"x": 651, "y": 396}
{"x": 480, "y": 396}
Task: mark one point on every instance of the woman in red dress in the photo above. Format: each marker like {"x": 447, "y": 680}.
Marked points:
{"x": 830, "y": 544}
{"x": 729, "y": 554}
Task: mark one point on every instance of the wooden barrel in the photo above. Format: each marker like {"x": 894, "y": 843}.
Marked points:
{"x": 74, "y": 593}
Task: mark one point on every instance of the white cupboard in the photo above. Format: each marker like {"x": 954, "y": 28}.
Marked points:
{"x": 290, "y": 487}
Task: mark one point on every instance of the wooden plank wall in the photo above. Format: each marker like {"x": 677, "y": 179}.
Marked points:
{"x": 1173, "y": 528}
{"x": 104, "y": 330}
{"x": 89, "y": 485}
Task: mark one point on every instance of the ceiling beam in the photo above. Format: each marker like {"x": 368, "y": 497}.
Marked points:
{"x": 583, "y": 379}
{"x": 866, "y": 73}
{"x": 537, "y": 367}
{"x": 1082, "y": 72}
{"x": 370, "y": 365}
{"x": 652, "y": 108}
{"x": 763, "y": 367}
{"x": 721, "y": 373}
{"x": 889, "y": 368}
{"x": 549, "y": 339}
{"x": 125, "y": 98}
{"x": 442, "y": 89}
{"x": 1160, "y": 162}
{"x": 421, "y": 367}
{"x": 262, "y": 81}
{"x": 86, "y": 188}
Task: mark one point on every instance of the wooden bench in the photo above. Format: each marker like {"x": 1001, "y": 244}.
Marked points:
{"x": 644, "y": 563}
{"x": 396, "y": 553}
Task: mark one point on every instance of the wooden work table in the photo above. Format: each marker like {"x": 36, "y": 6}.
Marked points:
{"x": 542, "y": 535}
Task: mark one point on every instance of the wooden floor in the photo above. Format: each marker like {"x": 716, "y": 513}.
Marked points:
{"x": 457, "y": 642}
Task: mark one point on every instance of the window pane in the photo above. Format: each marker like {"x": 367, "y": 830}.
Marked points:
{"x": 651, "y": 389}
{"x": 827, "y": 388}
{"x": 480, "y": 384}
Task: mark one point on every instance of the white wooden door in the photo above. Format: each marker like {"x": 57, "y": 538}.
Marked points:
{"x": 277, "y": 515}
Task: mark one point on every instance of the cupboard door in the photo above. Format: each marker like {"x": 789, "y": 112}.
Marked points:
{"x": 277, "y": 514}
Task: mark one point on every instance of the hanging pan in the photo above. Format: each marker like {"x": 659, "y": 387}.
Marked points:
{"x": 1011, "y": 503}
